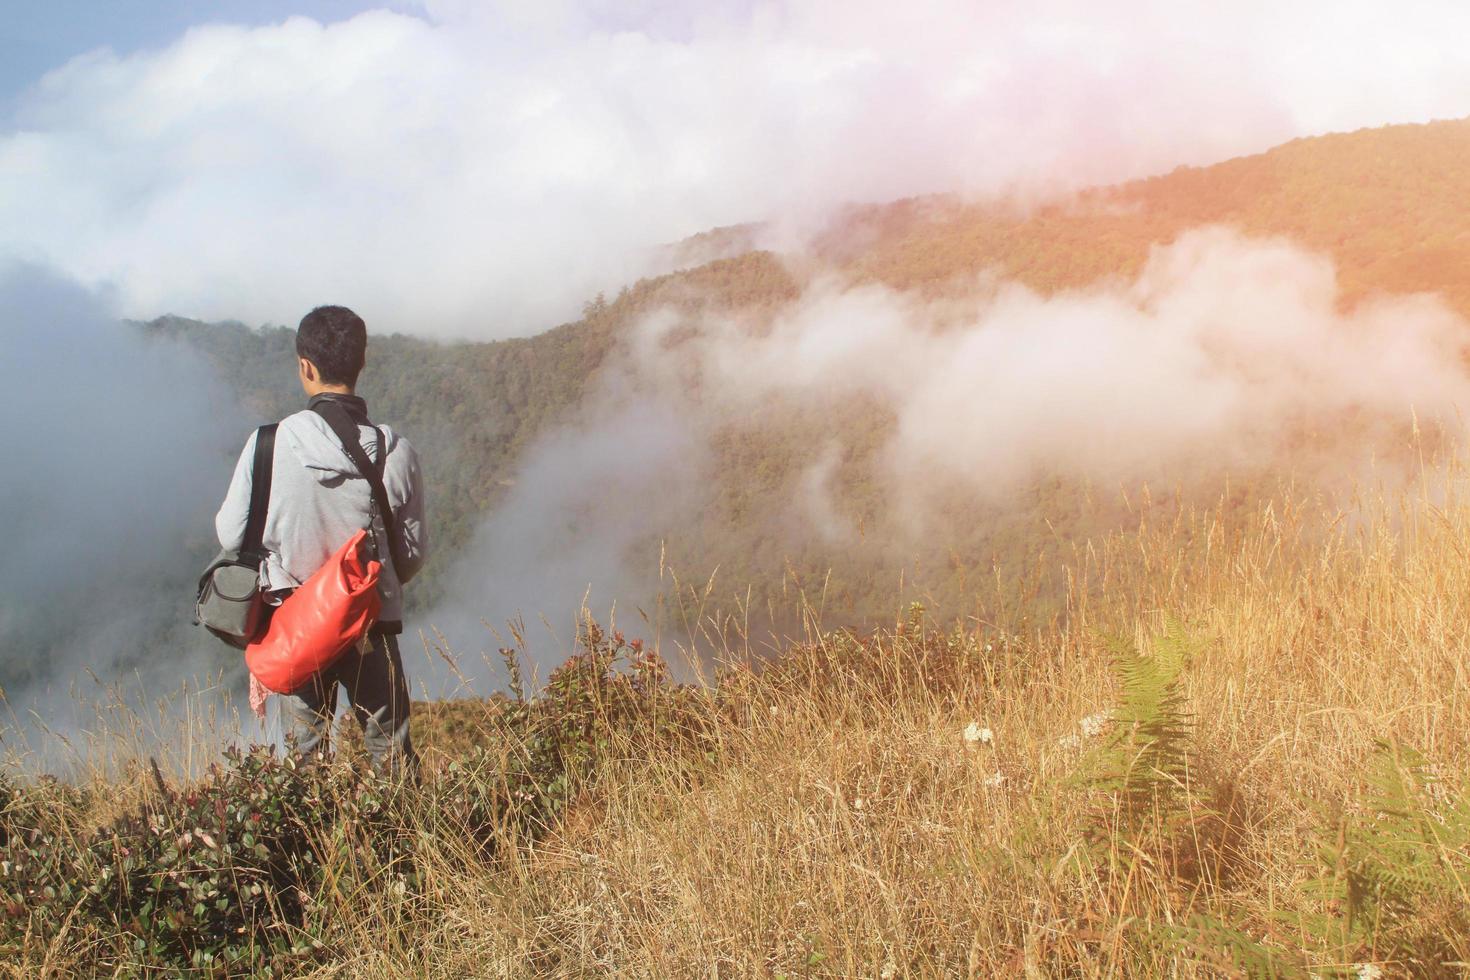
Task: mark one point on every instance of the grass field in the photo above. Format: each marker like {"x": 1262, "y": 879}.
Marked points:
{"x": 1240, "y": 751}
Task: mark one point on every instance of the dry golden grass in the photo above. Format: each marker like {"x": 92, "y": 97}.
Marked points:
{"x": 845, "y": 826}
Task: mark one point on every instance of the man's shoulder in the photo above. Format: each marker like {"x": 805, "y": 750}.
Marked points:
{"x": 294, "y": 420}
{"x": 305, "y": 417}
{"x": 397, "y": 444}
{"x": 309, "y": 425}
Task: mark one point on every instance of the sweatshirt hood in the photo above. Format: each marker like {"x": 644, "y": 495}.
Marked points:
{"x": 315, "y": 446}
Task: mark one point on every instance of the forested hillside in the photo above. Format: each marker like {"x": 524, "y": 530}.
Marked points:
{"x": 472, "y": 408}
{"x": 1388, "y": 205}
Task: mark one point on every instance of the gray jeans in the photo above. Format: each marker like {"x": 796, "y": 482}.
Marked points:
{"x": 378, "y": 692}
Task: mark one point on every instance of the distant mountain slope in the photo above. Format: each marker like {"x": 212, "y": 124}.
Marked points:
{"x": 1391, "y": 206}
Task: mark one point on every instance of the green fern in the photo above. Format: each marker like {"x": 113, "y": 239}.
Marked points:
{"x": 1144, "y": 765}
{"x": 1396, "y": 874}
{"x": 1413, "y": 849}
{"x": 1393, "y": 889}
{"x": 1221, "y": 945}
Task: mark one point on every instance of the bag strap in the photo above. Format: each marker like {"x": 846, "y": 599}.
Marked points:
{"x": 260, "y": 490}
{"x": 347, "y": 433}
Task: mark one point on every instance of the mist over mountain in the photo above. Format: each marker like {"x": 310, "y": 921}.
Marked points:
{"x": 929, "y": 390}
{"x": 111, "y": 438}
{"x": 925, "y": 395}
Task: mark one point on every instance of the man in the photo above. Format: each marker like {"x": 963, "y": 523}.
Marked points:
{"x": 319, "y": 499}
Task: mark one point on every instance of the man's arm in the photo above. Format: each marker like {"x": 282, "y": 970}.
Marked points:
{"x": 229, "y": 523}
{"x": 412, "y": 523}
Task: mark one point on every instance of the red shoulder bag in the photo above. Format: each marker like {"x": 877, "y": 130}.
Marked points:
{"x": 319, "y": 621}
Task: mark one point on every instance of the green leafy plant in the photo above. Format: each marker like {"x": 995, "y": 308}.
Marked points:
{"x": 216, "y": 877}
{"x": 613, "y": 695}
{"x": 1228, "y": 947}
{"x": 1391, "y": 892}
{"x": 1144, "y": 765}
{"x": 1396, "y": 867}
{"x": 238, "y": 873}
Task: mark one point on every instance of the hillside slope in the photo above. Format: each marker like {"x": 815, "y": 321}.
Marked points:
{"x": 1391, "y": 206}
{"x": 472, "y": 408}
{"x": 1386, "y": 204}
{"x": 1277, "y": 789}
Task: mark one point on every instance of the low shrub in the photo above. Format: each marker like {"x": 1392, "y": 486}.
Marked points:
{"x": 235, "y": 875}
{"x": 217, "y": 877}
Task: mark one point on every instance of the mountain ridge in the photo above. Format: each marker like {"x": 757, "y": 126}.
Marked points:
{"x": 1387, "y": 205}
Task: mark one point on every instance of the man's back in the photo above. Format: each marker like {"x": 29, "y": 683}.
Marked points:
{"x": 318, "y": 500}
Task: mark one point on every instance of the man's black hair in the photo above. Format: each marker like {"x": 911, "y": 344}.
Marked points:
{"x": 335, "y": 340}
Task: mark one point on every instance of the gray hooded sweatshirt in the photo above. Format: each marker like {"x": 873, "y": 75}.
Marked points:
{"x": 318, "y": 500}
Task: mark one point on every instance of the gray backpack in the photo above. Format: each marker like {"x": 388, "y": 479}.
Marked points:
{"x": 230, "y": 603}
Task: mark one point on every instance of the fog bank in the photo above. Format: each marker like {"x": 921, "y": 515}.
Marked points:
{"x": 117, "y": 448}
{"x": 1226, "y": 355}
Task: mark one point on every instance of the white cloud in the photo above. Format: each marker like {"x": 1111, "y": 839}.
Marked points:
{"x": 485, "y": 167}
{"x": 1222, "y": 351}
{"x": 1225, "y": 354}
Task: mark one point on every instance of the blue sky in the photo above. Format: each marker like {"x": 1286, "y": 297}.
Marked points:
{"x": 38, "y": 35}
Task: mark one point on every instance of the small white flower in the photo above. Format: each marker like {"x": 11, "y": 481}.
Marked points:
{"x": 1093, "y": 725}
{"x": 974, "y": 734}
{"x": 1367, "y": 971}
{"x": 1069, "y": 742}
{"x": 996, "y": 780}
{"x": 857, "y": 804}
{"x": 989, "y": 647}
